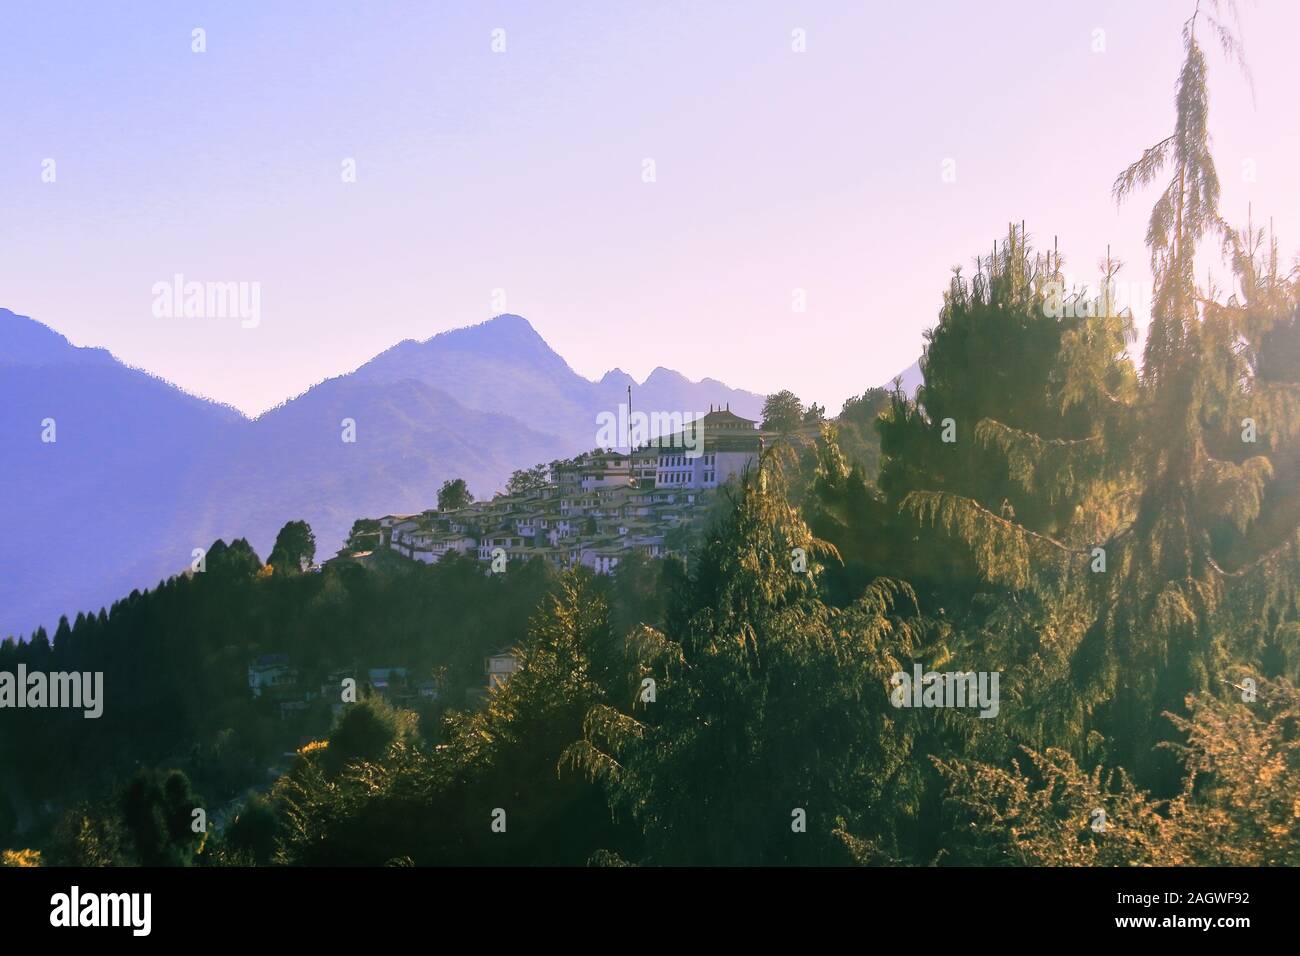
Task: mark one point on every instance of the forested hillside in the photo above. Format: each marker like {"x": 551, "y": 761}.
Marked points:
{"x": 1115, "y": 541}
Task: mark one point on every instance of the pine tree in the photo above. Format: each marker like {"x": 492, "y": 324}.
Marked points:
{"x": 771, "y": 710}
{"x": 1144, "y": 538}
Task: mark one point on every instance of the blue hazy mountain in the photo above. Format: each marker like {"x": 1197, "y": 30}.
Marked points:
{"x": 504, "y": 366}
{"x": 911, "y": 379}
{"x": 92, "y": 514}
{"x": 141, "y": 472}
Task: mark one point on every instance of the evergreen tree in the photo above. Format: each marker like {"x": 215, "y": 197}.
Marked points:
{"x": 454, "y": 495}
{"x": 782, "y": 412}
{"x": 295, "y": 548}
{"x": 758, "y": 727}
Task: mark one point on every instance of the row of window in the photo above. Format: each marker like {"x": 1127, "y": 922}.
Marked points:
{"x": 679, "y": 461}
{"x": 680, "y": 477}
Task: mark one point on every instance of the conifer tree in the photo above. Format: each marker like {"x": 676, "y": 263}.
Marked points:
{"x": 1140, "y": 540}
{"x": 769, "y": 733}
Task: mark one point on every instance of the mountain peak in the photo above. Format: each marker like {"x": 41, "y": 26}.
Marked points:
{"x": 507, "y": 324}
{"x": 509, "y": 332}
{"x": 665, "y": 375}
{"x": 616, "y": 376}
{"x": 510, "y": 320}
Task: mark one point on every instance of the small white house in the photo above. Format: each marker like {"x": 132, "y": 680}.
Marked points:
{"x": 500, "y": 667}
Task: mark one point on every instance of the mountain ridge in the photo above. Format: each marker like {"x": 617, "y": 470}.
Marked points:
{"x": 142, "y": 471}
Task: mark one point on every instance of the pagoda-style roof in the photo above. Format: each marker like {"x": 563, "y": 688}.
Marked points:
{"x": 726, "y": 419}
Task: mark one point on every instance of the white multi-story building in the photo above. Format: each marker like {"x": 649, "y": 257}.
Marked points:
{"x": 593, "y": 471}
{"x": 716, "y": 448}
{"x": 430, "y": 547}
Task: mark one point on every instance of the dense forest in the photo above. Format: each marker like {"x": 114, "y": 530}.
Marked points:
{"x": 1116, "y": 541}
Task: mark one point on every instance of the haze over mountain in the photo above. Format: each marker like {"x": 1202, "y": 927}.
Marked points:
{"x": 504, "y": 366}
{"x": 910, "y": 379}
{"x": 141, "y": 473}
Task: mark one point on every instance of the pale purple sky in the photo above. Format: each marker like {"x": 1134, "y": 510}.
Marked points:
{"x": 522, "y": 171}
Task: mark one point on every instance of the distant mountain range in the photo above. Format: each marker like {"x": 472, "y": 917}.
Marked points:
{"x": 141, "y": 473}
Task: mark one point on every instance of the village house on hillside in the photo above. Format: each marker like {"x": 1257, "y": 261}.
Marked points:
{"x": 596, "y": 509}
{"x": 270, "y": 673}
{"x": 500, "y": 667}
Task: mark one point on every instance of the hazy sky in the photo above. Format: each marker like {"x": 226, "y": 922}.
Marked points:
{"x": 522, "y": 171}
